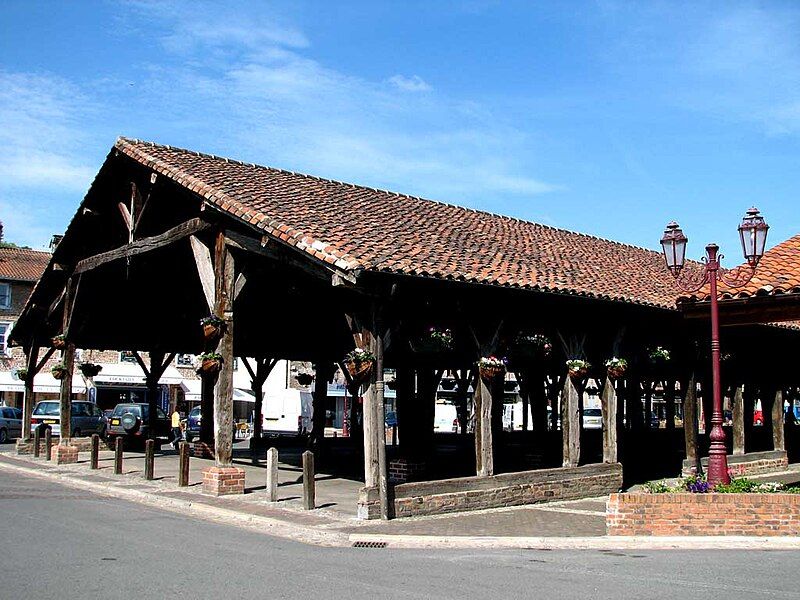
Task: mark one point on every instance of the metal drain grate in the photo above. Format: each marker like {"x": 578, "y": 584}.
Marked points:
{"x": 369, "y": 544}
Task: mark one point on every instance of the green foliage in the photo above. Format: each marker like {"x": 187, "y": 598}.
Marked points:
{"x": 659, "y": 487}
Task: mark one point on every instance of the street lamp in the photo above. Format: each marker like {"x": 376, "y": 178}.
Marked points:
{"x": 753, "y": 234}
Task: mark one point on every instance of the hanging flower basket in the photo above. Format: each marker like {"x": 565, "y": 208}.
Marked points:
{"x": 304, "y": 378}
{"x": 578, "y": 368}
{"x": 59, "y": 342}
{"x": 22, "y": 374}
{"x": 659, "y": 356}
{"x": 491, "y": 367}
{"x": 213, "y": 327}
{"x": 59, "y": 371}
{"x": 531, "y": 347}
{"x": 616, "y": 367}
{"x": 434, "y": 340}
{"x": 209, "y": 363}
{"x": 89, "y": 369}
{"x": 359, "y": 363}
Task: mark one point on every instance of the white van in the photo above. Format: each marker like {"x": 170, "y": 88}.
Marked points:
{"x": 445, "y": 418}
{"x": 287, "y": 412}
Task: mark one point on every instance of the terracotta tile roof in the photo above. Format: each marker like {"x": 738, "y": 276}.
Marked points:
{"x": 355, "y": 227}
{"x": 778, "y": 272}
{"x": 22, "y": 264}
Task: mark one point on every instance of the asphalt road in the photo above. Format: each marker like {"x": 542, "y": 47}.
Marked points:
{"x": 59, "y": 542}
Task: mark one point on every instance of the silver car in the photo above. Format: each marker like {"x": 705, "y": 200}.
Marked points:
{"x": 10, "y": 423}
{"x": 86, "y": 418}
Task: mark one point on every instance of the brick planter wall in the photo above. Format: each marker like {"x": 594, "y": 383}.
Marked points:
{"x": 223, "y": 481}
{"x": 703, "y": 514}
{"x": 752, "y": 463}
{"x": 64, "y": 455}
{"x": 83, "y": 444}
{"x": 508, "y": 489}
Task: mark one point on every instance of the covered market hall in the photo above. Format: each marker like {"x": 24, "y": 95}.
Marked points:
{"x": 413, "y": 294}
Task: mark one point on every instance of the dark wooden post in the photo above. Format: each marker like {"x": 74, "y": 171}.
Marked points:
{"x": 738, "y": 421}
{"x": 523, "y": 382}
{"x": 151, "y": 379}
{"x": 648, "y": 384}
{"x": 374, "y": 420}
{"x": 118, "y": 456}
{"x": 669, "y": 403}
{"x": 65, "y": 397}
{"x": 778, "y": 421}
{"x": 608, "y": 401}
{"x": 463, "y": 378}
{"x": 324, "y": 371}
{"x": 224, "y": 274}
{"x": 149, "y": 458}
{"x": 403, "y": 406}
{"x": 538, "y": 400}
{"x": 94, "y": 462}
{"x": 484, "y": 450}
{"x": 37, "y": 434}
{"x": 689, "y": 391}
{"x": 32, "y": 356}
{"x": 183, "y": 469}
{"x": 309, "y": 490}
{"x": 570, "y": 424}
{"x": 48, "y": 443}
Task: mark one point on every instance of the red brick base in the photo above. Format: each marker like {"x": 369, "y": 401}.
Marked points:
{"x": 64, "y": 455}
{"x": 703, "y": 514}
{"x": 203, "y": 449}
{"x": 222, "y": 481}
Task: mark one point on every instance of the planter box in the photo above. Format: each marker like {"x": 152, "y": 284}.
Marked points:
{"x": 744, "y": 465}
{"x": 703, "y": 514}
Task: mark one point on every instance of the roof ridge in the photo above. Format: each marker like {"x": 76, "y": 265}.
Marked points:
{"x": 394, "y": 193}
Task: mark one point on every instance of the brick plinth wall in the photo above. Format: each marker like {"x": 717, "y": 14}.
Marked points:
{"x": 64, "y": 455}
{"x": 203, "y": 449}
{"x": 83, "y": 444}
{"x": 703, "y": 514}
{"x": 508, "y": 489}
{"x": 752, "y": 463}
{"x": 223, "y": 481}
{"x": 402, "y": 470}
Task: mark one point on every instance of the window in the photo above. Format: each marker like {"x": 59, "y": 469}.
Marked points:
{"x": 4, "y": 329}
{"x": 185, "y": 360}
{"x": 5, "y": 295}
{"x": 127, "y": 356}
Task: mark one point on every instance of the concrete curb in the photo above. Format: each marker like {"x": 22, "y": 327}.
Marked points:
{"x": 320, "y": 536}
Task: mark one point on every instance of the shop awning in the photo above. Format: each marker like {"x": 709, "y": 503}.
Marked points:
{"x": 132, "y": 373}
{"x": 44, "y": 383}
{"x": 192, "y": 387}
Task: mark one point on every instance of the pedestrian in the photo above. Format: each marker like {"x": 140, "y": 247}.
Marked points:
{"x": 177, "y": 434}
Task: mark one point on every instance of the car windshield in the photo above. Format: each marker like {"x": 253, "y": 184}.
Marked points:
{"x": 592, "y": 412}
{"x": 195, "y": 412}
{"x": 122, "y": 409}
{"x": 49, "y": 409}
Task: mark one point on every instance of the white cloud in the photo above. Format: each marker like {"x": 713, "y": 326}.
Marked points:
{"x": 415, "y": 83}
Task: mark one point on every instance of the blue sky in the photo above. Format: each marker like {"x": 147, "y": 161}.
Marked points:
{"x": 606, "y": 117}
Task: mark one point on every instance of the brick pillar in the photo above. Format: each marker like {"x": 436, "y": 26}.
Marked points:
{"x": 62, "y": 454}
{"x": 223, "y": 481}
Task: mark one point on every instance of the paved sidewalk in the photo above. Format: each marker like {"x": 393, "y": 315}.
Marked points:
{"x": 572, "y": 524}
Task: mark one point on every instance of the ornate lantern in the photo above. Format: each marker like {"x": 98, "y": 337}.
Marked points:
{"x": 674, "y": 245}
{"x": 753, "y": 233}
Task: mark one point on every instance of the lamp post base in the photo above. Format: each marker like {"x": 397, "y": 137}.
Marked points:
{"x": 718, "y": 457}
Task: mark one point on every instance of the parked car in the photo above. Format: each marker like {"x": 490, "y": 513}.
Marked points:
{"x": 132, "y": 420}
{"x": 85, "y": 418}
{"x": 192, "y": 424}
{"x": 10, "y": 423}
{"x": 592, "y": 418}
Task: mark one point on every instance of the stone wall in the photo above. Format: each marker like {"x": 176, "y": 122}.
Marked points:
{"x": 508, "y": 489}
{"x": 752, "y": 463}
{"x": 703, "y": 514}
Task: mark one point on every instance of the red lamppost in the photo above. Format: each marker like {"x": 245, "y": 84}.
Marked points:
{"x": 753, "y": 233}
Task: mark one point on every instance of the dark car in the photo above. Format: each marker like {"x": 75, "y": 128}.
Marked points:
{"x": 10, "y": 423}
{"x": 132, "y": 420}
{"x": 193, "y": 424}
{"x": 85, "y": 418}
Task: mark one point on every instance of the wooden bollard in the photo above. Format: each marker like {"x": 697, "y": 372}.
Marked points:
{"x": 48, "y": 442}
{"x": 309, "y": 490}
{"x": 95, "y": 458}
{"x": 183, "y": 473}
{"x": 37, "y": 439}
{"x": 272, "y": 474}
{"x": 149, "y": 458}
{"x": 118, "y": 456}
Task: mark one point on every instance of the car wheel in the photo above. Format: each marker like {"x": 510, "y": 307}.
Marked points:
{"x": 3, "y": 436}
